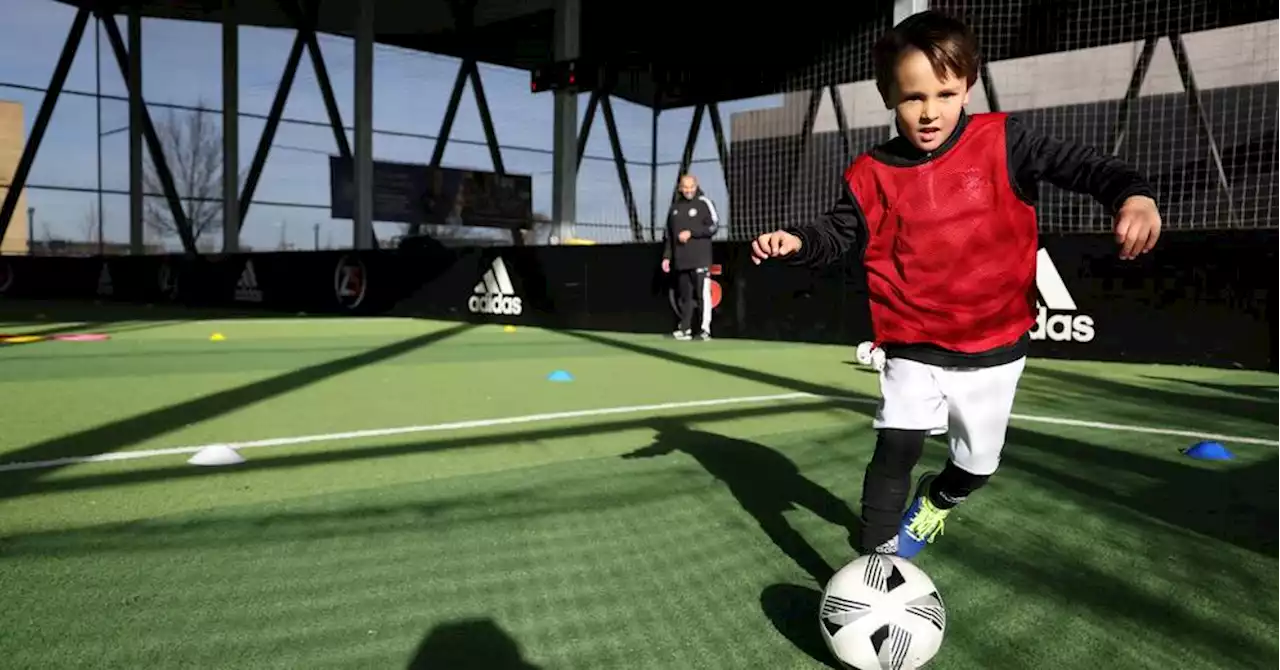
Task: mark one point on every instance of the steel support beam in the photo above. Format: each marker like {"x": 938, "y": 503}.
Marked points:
{"x": 491, "y": 138}
{"x": 468, "y": 70}
{"x": 564, "y": 179}
{"x": 230, "y": 128}
{"x": 653, "y": 174}
{"x": 306, "y": 17}
{"x": 590, "y": 116}
{"x": 717, "y": 130}
{"x": 842, "y": 123}
{"x": 462, "y": 19}
{"x": 1124, "y": 116}
{"x": 486, "y": 122}
{"x": 97, "y": 89}
{"x": 463, "y": 16}
{"x": 41, "y": 123}
{"x": 446, "y": 123}
{"x": 363, "y": 154}
{"x": 619, "y": 160}
{"x": 450, "y": 112}
{"x": 690, "y": 143}
{"x": 988, "y": 86}
{"x": 1197, "y": 108}
{"x": 273, "y": 122}
{"x": 129, "y": 66}
{"x": 137, "y": 112}
{"x": 806, "y": 135}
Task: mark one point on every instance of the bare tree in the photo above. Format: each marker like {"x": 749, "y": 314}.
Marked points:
{"x": 89, "y": 229}
{"x": 192, "y": 145}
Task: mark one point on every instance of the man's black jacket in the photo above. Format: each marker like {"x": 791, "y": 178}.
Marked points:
{"x": 698, "y": 216}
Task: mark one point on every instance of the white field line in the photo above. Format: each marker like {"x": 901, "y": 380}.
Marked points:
{"x": 585, "y": 413}
{"x": 403, "y": 430}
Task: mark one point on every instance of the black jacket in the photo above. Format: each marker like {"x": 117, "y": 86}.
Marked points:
{"x": 698, "y": 216}
{"x": 1032, "y": 158}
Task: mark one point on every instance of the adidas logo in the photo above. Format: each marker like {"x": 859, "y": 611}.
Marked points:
{"x": 1054, "y": 296}
{"x": 247, "y": 286}
{"x": 495, "y": 294}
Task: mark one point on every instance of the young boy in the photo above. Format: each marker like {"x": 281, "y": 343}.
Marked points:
{"x": 944, "y": 219}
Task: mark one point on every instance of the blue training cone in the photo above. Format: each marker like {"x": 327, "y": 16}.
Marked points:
{"x": 1208, "y": 451}
{"x": 560, "y": 376}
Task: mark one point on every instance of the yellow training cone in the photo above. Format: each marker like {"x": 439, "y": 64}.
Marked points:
{"x": 508, "y": 329}
{"x": 217, "y": 337}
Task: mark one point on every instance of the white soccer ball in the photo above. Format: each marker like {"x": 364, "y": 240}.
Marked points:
{"x": 877, "y": 359}
{"x": 868, "y": 353}
{"x": 881, "y": 612}
{"x": 863, "y": 352}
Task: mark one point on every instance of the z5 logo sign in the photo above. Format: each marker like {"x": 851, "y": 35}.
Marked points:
{"x": 713, "y": 288}
{"x": 349, "y": 281}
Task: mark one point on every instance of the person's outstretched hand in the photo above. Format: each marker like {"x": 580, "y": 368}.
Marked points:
{"x": 1137, "y": 227}
{"x": 777, "y": 244}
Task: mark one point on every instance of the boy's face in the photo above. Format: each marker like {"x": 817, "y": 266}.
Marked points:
{"x": 928, "y": 108}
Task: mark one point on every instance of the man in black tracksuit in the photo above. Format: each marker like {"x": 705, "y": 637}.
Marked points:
{"x": 687, "y": 251}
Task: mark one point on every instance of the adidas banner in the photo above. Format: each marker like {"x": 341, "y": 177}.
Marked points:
{"x": 1200, "y": 298}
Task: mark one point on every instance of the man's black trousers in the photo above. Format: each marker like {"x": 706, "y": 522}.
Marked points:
{"x": 693, "y": 299}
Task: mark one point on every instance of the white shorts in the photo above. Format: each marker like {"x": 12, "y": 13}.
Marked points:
{"x": 971, "y": 405}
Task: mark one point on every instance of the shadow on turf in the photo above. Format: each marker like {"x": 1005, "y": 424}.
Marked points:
{"x": 1262, "y": 393}
{"x": 472, "y": 644}
{"x": 1237, "y": 505}
{"x": 125, "y": 432}
{"x": 1153, "y": 396}
{"x": 20, "y": 483}
{"x": 1223, "y": 504}
{"x": 793, "y": 611}
{"x": 1223, "y": 513}
{"x": 765, "y": 483}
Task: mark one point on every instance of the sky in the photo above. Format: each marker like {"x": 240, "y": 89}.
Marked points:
{"x": 182, "y": 65}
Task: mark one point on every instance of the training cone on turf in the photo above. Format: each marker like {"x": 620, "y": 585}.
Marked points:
{"x": 82, "y": 337}
{"x": 218, "y": 454}
{"x": 560, "y": 376}
{"x": 1209, "y": 451}
{"x": 508, "y": 329}
{"x": 217, "y": 337}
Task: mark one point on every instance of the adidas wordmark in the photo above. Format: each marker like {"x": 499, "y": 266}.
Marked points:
{"x": 1054, "y": 296}
{"x": 495, "y": 294}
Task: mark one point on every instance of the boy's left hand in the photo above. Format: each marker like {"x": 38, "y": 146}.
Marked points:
{"x": 1137, "y": 226}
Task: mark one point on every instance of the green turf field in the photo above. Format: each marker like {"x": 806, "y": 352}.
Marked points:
{"x": 672, "y": 507}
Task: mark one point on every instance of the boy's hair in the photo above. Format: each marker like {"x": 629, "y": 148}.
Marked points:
{"x": 947, "y": 42}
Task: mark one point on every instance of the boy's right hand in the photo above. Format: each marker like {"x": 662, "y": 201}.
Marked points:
{"x": 773, "y": 245}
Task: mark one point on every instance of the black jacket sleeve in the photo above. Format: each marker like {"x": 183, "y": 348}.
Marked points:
{"x": 668, "y": 240}
{"x": 1035, "y": 157}
{"x": 710, "y": 220}
{"x": 830, "y": 236}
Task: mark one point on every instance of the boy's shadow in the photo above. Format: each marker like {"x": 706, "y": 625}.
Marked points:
{"x": 766, "y": 484}
{"x": 475, "y": 643}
